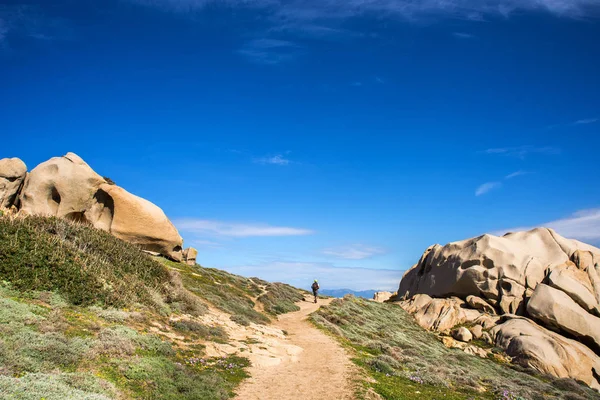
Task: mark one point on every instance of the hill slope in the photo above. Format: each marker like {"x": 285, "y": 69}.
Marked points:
{"x": 407, "y": 362}
{"x": 84, "y": 315}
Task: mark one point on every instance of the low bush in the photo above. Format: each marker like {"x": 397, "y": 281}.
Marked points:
{"x": 280, "y": 298}
{"x": 56, "y": 387}
{"x": 404, "y": 358}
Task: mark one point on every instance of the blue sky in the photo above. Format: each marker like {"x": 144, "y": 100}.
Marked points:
{"x": 318, "y": 139}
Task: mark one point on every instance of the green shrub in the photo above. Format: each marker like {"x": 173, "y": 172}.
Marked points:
{"x": 405, "y": 359}
{"x": 83, "y": 264}
{"x": 56, "y": 387}
{"x": 280, "y": 298}
{"x": 240, "y": 319}
{"x": 161, "y": 378}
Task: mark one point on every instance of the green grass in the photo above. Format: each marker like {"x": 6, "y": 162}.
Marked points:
{"x": 228, "y": 292}
{"x": 77, "y": 306}
{"x": 280, "y": 298}
{"x": 87, "y": 266}
{"x": 407, "y": 362}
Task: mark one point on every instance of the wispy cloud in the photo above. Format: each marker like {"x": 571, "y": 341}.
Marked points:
{"x": 354, "y": 252}
{"x": 213, "y": 228}
{"x": 523, "y": 151}
{"x": 277, "y": 159}
{"x": 22, "y": 21}
{"x": 585, "y": 121}
{"x": 328, "y": 19}
{"x": 515, "y": 174}
{"x": 269, "y": 51}
{"x": 582, "y": 225}
{"x": 487, "y": 187}
{"x": 462, "y": 35}
{"x": 301, "y": 274}
{"x": 318, "y": 10}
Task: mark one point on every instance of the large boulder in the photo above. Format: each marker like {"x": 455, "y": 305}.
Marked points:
{"x": 69, "y": 188}
{"x": 189, "y": 256}
{"x": 381, "y": 297}
{"x": 479, "y": 304}
{"x": 439, "y": 314}
{"x": 532, "y": 346}
{"x": 139, "y": 221}
{"x": 64, "y": 187}
{"x": 576, "y": 284}
{"x": 502, "y": 270}
{"x": 462, "y": 334}
{"x": 555, "y": 309}
{"x": 12, "y": 174}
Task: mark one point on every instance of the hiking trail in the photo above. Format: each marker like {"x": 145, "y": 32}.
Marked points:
{"x": 314, "y": 366}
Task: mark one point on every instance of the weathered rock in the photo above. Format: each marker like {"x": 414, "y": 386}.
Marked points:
{"x": 502, "y": 270}
{"x": 380, "y": 297}
{"x": 189, "y": 256}
{"x": 453, "y": 344}
{"x": 486, "y": 337}
{"x": 476, "y": 331}
{"x": 62, "y": 187}
{"x": 547, "y": 352}
{"x": 138, "y": 221}
{"x": 12, "y": 174}
{"x": 439, "y": 314}
{"x": 576, "y": 284}
{"x": 479, "y": 304}
{"x": 67, "y": 187}
{"x": 476, "y": 351}
{"x": 585, "y": 258}
{"x": 557, "y": 310}
{"x": 462, "y": 334}
{"x": 487, "y": 321}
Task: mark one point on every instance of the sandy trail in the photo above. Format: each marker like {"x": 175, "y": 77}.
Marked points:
{"x": 315, "y": 366}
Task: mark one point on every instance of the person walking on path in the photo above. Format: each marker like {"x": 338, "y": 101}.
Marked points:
{"x": 315, "y": 289}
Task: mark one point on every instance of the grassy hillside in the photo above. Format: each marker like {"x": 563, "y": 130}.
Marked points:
{"x": 84, "y": 315}
{"x": 407, "y": 362}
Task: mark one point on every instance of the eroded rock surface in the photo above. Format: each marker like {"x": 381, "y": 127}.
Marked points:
{"x": 533, "y": 346}
{"x": 67, "y": 187}
{"x": 12, "y": 174}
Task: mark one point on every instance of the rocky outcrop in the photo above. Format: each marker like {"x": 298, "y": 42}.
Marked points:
{"x": 538, "y": 274}
{"x": 67, "y": 187}
{"x": 462, "y": 334}
{"x": 439, "y": 314}
{"x": 138, "y": 221}
{"x": 189, "y": 255}
{"x": 555, "y": 309}
{"x": 476, "y": 331}
{"x": 12, "y": 174}
{"x": 478, "y": 303}
{"x": 502, "y": 270}
{"x": 381, "y": 297}
{"x": 532, "y": 346}
{"x": 576, "y": 284}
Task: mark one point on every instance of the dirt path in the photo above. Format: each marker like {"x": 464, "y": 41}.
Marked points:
{"x": 315, "y": 366}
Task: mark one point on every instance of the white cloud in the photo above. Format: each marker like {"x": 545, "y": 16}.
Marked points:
{"x": 269, "y": 51}
{"x": 515, "y": 174}
{"x": 582, "y": 225}
{"x": 523, "y": 151}
{"x": 354, "y": 252}
{"x": 274, "y": 160}
{"x": 301, "y": 274}
{"x": 231, "y": 229}
{"x": 462, "y": 35}
{"x": 289, "y": 11}
{"x": 487, "y": 187}
{"x": 586, "y": 121}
